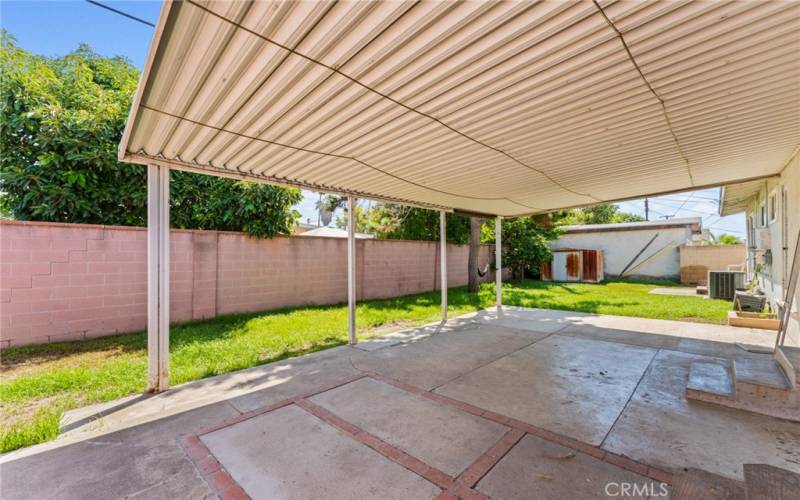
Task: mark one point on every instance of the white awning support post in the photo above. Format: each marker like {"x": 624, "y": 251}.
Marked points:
{"x": 443, "y": 261}
{"x": 498, "y": 259}
{"x": 351, "y": 270}
{"x": 157, "y": 278}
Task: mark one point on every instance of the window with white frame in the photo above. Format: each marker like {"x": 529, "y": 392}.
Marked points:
{"x": 773, "y": 206}
{"x": 762, "y": 214}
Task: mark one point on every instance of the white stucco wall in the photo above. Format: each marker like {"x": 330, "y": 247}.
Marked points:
{"x": 619, "y": 247}
{"x": 783, "y": 233}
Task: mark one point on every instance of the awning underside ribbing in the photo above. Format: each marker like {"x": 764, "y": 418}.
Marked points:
{"x": 497, "y": 108}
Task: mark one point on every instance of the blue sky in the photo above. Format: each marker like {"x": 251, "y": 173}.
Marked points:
{"x": 55, "y": 28}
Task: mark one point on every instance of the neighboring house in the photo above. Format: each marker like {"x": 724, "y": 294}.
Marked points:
{"x": 635, "y": 249}
{"x": 772, "y": 210}
{"x": 333, "y": 232}
{"x": 304, "y": 227}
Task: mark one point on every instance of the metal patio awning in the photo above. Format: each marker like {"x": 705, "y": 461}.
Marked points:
{"x": 735, "y": 198}
{"x": 494, "y": 108}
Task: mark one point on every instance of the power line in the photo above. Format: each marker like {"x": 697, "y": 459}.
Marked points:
{"x": 726, "y": 230}
{"x": 121, "y": 13}
{"x": 683, "y": 204}
{"x": 679, "y": 200}
{"x": 708, "y": 212}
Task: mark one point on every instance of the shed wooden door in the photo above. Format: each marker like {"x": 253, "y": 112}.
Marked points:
{"x": 590, "y": 270}
{"x": 567, "y": 266}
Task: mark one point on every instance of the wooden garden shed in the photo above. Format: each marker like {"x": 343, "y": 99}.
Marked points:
{"x": 572, "y": 264}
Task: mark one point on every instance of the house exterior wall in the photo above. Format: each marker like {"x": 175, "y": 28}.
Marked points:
{"x": 72, "y": 281}
{"x": 783, "y": 229}
{"x": 620, "y": 247}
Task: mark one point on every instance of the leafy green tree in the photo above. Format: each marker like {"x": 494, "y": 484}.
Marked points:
{"x": 207, "y": 202}
{"x": 525, "y": 239}
{"x": 604, "y": 213}
{"x": 362, "y": 220}
{"x": 327, "y": 205}
{"x": 525, "y": 243}
{"x": 729, "y": 239}
{"x": 61, "y": 122}
{"x": 396, "y": 222}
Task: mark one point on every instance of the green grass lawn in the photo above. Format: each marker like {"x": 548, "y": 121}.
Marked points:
{"x": 40, "y": 382}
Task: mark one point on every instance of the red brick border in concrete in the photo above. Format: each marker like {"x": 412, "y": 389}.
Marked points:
{"x": 389, "y": 451}
{"x": 213, "y": 472}
{"x": 452, "y": 488}
{"x": 618, "y": 460}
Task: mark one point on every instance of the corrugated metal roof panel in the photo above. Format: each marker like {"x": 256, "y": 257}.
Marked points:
{"x": 734, "y": 198}
{"x": 500, "y": 108}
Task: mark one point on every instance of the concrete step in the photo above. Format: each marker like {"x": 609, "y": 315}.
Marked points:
{"x": 712, "y": 379}
{"x": 763, "y": 387}
{"x": 696, "y": 484}
{"x": 754, "y": 383}
{"x": 766, "y": 482}
{"x": 760, "y": 370}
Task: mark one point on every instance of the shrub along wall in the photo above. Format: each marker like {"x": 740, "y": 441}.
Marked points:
{"x": 72, "y": 281}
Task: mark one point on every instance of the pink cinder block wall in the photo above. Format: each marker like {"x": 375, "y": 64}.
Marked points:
{"x": 73, "y": 281}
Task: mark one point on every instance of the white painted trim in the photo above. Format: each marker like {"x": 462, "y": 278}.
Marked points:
{"x": 143, "y": 78}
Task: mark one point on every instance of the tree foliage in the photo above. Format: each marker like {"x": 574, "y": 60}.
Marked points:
{"x": 525, "y": 239}
{"x": 61, "y": 122}
{"x": 604, "y": 213}
{"x": 362, "y": 220}
{"x": 327, "y": 205}
{"x": 397, "y": 222}
{"x": 526, "y": 242}
{"x": 206, "y": 202}
{"x": 729, "y": 239}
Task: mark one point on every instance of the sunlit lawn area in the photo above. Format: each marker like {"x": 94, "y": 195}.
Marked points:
{"x": 40, "y": 382}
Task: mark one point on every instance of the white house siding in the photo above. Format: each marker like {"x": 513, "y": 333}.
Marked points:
{"x": 783, "y": 230}
{"x": 621, "y": 246}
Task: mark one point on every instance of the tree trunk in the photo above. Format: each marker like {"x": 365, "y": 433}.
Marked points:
{"x": 475, "y": 224}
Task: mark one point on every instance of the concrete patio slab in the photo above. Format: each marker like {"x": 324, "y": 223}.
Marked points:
{"x": 573, "y": 386}
{"x": 421, "y": 363}
{"x": 677, "y": 330}
{"x": 536, "y": 468}
{"x": 289, "y": 453}
{"x": 130, "y": 447}
{"x": 439, "y": 435}
{"x": 246, "y": 390}
{"x": 139, "y": 462}
{"x": 523, "y": 318}
{"x": 679, "y": 335}
{"x": 659, "y": 426}
{"x": 278, "y": 381}
{"x": 412, "y": 334}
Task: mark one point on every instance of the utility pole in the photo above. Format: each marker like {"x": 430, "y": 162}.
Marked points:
{"x": 647, "y": 209}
